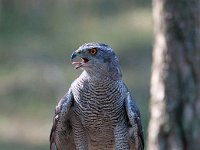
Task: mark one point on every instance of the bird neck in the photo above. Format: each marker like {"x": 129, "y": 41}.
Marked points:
{"x": 98, "y": 75}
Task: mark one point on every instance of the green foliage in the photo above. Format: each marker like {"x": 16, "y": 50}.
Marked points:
{"x": 36, "y": 40}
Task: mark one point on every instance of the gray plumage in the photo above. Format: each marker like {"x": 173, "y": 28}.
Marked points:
{"x": 97, "y": 113}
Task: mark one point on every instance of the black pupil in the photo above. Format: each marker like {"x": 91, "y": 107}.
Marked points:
{"x": 93, "y": 51}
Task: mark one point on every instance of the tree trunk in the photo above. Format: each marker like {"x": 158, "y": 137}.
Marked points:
{"x": 175, "y": 81}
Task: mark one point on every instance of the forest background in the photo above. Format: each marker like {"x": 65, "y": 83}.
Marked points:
{"x": 36, "y": 40}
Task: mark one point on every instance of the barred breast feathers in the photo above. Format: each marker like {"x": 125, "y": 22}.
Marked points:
{"x": 99, "y": 97}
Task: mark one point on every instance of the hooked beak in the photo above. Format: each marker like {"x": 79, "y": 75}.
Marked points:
{"x": 74, "y": 54}
{"x": 78, "y": 63}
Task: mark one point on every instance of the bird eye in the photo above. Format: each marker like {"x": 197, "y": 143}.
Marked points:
{"x": 93, "y": 51}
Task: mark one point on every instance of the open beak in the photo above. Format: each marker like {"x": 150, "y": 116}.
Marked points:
{"x": 78, "y": 64}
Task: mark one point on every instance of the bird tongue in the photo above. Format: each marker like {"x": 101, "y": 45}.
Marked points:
{"x": 83, "y": 60}
{"x": 80, "y": 63}
{"x": 76, "y": 63}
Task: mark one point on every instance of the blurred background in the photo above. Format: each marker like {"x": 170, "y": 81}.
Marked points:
{"x": 36, "y": 40}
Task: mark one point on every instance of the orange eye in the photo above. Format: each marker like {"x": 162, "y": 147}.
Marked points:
{"x": 93, "y": 51}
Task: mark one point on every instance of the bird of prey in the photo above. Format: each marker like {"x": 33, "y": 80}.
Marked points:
{"x": 97, "y": 112}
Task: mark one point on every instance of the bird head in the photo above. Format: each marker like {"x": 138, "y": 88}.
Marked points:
{"x": 97, "y": 58}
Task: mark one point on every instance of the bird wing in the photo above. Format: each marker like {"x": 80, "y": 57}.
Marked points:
{"x": 61, "y": 136}
{"x": 136, "y": 138}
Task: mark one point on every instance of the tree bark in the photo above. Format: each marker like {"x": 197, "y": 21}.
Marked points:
{"x": 175, "y": 81}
